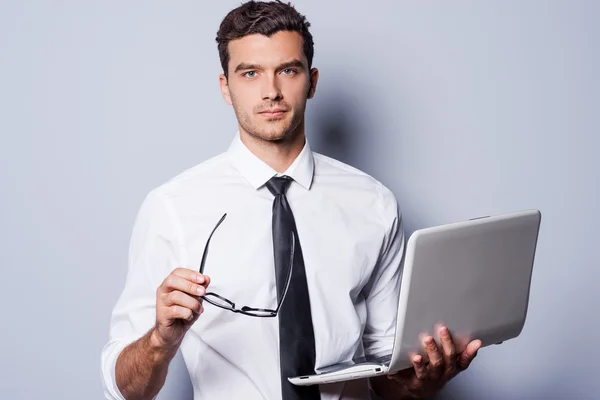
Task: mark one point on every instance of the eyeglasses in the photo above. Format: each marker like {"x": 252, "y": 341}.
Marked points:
{"x": 229, "y": 305}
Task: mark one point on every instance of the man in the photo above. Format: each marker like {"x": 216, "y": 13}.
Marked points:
{"x": 305, "y": 252}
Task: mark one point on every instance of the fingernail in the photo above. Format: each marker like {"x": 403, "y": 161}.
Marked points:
{"x": 429, "y": 340}
{"x": 200, "y": 290}
{"x": 199, "y": 278}
{"x": 417, "y": 359}
{"x": 444, "y": 330}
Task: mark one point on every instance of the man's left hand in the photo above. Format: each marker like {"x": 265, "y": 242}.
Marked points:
{"x": 426, "y": 379}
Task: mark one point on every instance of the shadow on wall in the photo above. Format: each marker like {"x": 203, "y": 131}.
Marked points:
{"x": 339, "y": 126}
{"x": 353, "y": 126}
{"x": 334, "y": 133}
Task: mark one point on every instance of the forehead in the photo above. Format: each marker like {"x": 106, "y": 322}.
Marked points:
{"x": 266, "y": 51}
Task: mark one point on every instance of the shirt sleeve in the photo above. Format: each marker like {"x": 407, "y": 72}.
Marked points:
{"x": 383, "y": 288}
{"x": 153, "y": 253}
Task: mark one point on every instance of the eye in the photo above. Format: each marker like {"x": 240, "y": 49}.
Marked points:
{"x": 289, "y": 71}
{"x": 249, "y": 74}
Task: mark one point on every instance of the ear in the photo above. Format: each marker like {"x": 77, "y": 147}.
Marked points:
{"x": 314, "y": 78}
{"x": 225, "y": 89}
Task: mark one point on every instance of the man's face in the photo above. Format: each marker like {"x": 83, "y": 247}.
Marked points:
{"x": 269, "y": 83}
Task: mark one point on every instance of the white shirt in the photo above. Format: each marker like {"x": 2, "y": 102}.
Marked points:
{"x": 350, "y": 228}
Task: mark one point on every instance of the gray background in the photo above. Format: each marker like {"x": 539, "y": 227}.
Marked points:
{"x": 462, "y": 108}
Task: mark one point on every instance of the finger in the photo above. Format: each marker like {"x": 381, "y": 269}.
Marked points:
{"x": 178, "y": 312}
{"x": 176, "y": 282}
{"x": 190, "y": 275}
{"x": 402, "y": 375}
{"x": 206, "y": 281}
{"x": 436, "y": 360}
{"x": 177, "y": 298}
{"x": 469, "y": 353}
{"x": 449, "y": 350}
{"x": 420, "y": 367}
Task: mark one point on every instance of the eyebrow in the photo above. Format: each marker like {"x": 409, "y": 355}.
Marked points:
{"x": 289, "y": 64}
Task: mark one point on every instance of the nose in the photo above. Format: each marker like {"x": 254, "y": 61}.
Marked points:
{"x": 271, "y": 89}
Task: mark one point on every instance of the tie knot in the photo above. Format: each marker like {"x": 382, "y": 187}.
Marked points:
{"x": 279, "y": 184}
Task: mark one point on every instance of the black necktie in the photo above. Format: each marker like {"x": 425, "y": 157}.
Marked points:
{"x": 296, "y": 335}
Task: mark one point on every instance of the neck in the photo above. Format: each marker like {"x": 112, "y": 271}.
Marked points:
{"x": 277, "y": 154}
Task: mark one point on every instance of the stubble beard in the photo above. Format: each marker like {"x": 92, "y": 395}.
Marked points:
{"x": 275, "y": 130}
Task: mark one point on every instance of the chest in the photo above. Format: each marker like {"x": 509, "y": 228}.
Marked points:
{"x": 339, "y": 244}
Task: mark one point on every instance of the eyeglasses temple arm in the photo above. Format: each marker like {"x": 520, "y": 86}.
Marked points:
{"x": 289, "y": 277}
{"x": 205, "y": 253}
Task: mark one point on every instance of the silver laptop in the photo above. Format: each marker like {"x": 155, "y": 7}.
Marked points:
{"x": 472, "y": 276}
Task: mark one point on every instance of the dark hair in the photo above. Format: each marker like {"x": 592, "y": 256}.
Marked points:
{"x": 266, "y": 18}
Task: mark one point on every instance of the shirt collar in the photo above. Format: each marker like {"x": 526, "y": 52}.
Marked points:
{"x": 257, "y": 172}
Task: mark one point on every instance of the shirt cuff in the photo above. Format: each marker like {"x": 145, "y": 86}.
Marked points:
{"x": 110, "y": 354}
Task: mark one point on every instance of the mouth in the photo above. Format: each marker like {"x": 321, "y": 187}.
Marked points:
{"x": 277, "y": 112}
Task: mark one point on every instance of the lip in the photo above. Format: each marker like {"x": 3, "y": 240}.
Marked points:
{"x": 274, "y": 112}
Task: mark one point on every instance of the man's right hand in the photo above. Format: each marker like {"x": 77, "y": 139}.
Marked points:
{"x": 141, "y": 368}
{"x": 178, "y": 306}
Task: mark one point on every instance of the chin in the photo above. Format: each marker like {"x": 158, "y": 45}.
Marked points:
{"x": 274, "y": 130}
{"x": 273, "y": 134}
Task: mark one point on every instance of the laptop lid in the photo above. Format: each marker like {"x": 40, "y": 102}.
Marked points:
{"x": 472, "y": 276}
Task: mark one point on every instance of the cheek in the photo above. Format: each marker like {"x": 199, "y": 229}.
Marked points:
{"x": 240, "y": 102}
{"x": 298, "y": 92}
